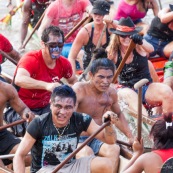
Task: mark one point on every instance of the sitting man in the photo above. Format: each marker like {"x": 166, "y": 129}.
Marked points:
{"x": 9, "y": 142}
{"x": 47, "y": 135}
{"x": 39, "y": 72}
{"x": 95, "y": 97}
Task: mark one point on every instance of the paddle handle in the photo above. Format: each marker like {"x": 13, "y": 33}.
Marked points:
{"x": 12, "y": 124}
{"x": 83, "y": 144}
{"x": 124, "y": 143}
{"x": 75, "y": 28}
{"x": 120, "y": 67}
{"x": 8, "y": 57}
{"x": 138, "y": 86}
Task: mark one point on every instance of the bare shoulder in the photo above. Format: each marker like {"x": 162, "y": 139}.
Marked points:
{"x": 79, "y": 87}
{"x": 112, "y": 92}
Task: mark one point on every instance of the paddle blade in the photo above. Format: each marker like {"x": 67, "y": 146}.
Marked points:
{"x": 167, "y": 166}
{"x": 6, "y": 19}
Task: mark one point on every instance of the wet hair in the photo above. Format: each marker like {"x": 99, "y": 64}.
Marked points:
{"x": 163, "y": 138}
{"x": 54, "y": 30}
{"x": 101, "y": 61}
{"x": 63, "y": 91}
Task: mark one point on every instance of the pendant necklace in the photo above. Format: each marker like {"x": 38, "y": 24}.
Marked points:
{"x": 63, "y": 130}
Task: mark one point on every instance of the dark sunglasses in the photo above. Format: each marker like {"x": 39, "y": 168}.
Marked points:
{"x": 124, "y": 36}
{"x": 55, "y": 44}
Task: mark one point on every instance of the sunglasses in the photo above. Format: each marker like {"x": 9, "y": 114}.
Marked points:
{"x": 55, "y": 44}
{"x": 124, "y": 36}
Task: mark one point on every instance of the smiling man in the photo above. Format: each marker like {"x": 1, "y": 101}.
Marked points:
{"x": 95, "y": 97}
{"x": 39, "y": 72}
{"x": 55, "y": 135}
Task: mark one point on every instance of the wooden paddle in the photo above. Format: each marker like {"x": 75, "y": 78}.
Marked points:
{"x": 12, "y": 124}
{"x": 120, "y": 67}
{"x": 8, "y": 57}
{"x": 123, "y": 143}
{"x": 82, "y": 145}
{"x": 76, "y": 27}
{"x": 7, "y": 18}
{"x": 167, "y": 167}
{"x": 34, "y": 29}
{"x": 138, "y": 86}
{"x": 84, "y": 74}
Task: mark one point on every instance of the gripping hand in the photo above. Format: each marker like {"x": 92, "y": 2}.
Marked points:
{"x": 137, "y": 39}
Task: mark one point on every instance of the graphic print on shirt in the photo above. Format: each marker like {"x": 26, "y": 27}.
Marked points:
{"x": 68, "y": 23}
{"x": 56, "y": 150}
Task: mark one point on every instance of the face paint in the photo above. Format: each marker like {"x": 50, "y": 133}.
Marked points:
{"x": 55, "y": 49}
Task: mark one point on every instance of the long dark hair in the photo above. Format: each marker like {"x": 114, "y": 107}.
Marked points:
{"x": 162, "y": 136}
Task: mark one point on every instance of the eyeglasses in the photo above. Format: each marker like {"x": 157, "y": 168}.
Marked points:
{"x": 124, "y": 36}
{"x": 55, "y": 44}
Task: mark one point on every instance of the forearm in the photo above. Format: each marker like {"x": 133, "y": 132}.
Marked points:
{"x": 30, "y": 83}
{"x": 132, "y": 160}
{"x": 147, "y": 46}
{"x": 123, "y": 126}
{"x": 19, "y": 164}
{"x": 73, "y": 62}
{"x": 110, "y": 134}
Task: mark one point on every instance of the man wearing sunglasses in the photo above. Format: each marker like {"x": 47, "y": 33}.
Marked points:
{"x": 39, "y": 72}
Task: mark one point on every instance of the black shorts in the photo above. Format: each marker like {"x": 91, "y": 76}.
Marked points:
{"x": 7, "y": 142}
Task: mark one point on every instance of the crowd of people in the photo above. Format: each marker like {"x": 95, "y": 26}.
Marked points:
{"x": 61, "y": 112}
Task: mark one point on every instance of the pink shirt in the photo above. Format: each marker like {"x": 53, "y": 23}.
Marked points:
{"x": 67, "y": 18}
{"x": 126, "y": 10}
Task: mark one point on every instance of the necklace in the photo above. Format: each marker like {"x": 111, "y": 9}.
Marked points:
{"x": 63, "y": 130}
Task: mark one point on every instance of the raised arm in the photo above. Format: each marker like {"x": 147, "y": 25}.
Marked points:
{"x": 165, "y": 15}
{"x": 155, "y": 7}
{"x": 25, "y": 20}
{"x": 77, "y": 46}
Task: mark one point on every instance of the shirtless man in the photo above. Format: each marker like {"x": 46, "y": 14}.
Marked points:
{"x": 95, "y": 97}
{"x": 9, "y": 142}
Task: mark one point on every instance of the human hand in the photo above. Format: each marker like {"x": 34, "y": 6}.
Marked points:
{"x": 138, "y": 146}
{"x": 110, "y": 116}
{"x": 107, "y": 19}
{"x": 137, "y": 39}
{"x": 28, "y": 116}
{"x": 50, "y": 86}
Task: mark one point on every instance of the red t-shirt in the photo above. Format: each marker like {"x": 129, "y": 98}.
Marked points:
{"x": 5, "y": 45}
{"x": 34, "y": 63}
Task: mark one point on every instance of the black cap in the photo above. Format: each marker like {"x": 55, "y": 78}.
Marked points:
{"x": 101, "y": 7}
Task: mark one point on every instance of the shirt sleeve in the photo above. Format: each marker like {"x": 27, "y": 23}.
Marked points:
{"x": 5, "y": 45}
{"x": 33, "y": 125}
{"x": 52, "y": 10}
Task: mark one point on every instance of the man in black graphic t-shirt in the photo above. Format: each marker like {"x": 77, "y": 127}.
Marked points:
{"x": 53, "y": 136}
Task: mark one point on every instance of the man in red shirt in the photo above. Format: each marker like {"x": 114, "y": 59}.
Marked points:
{"x": 39, "y": 72}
